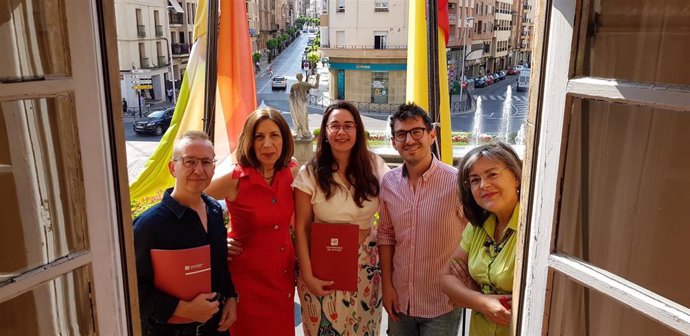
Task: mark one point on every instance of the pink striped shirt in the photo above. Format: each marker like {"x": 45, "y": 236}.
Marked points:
{"x": 425, "y": 226}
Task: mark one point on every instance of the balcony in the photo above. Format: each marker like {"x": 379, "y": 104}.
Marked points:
{"x": 162, "y": 61}
{"x": 144, "y": 63}
{"x": 159, "y": 30}
{"x": 364, "y": 51}
{"x": 179, "y": 49}
{"x": 176, "y": 19}
{"x": 141, "y": 30}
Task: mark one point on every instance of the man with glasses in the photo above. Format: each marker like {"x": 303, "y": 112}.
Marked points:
{"x": 185, "y": 218}
{"x": 420, "y": 226}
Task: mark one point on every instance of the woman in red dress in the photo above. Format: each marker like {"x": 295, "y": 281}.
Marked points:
{"x": 260, "y": 201}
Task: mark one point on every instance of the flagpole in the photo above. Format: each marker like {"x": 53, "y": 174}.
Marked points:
{"x": 433, "y": 73}
{"x": 211, "y": 69}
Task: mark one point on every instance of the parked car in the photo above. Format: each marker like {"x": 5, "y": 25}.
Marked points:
{"x": 489, "y": 79}
{"x": 279, "y": 82}
{"x": 157, "y": 122}
{"x": 513, "y": 71}
{"x": 480, "y": 82}
{"x": 501, "y": 75}
{"x": 523, "y": 80}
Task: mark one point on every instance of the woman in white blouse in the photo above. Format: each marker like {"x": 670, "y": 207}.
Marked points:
{"x": 340, "y": 185}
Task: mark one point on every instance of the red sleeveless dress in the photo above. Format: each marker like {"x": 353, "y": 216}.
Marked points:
{"x": 260, "y": 219}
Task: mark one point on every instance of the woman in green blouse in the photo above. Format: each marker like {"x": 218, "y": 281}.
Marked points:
{"x": 479, "y": 276}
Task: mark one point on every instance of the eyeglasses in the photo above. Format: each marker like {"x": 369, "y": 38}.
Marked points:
{"x": 475, "y": 181}
{"x": 191, "y": 162}
{"x": 347, "y": 127}
{"x": 416, "y": 133}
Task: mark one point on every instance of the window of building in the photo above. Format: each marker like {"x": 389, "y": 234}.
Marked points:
{"x": 340, "y": 6}
{"x": 380, "y": 39}
{"x": 60, "y": 260}
{"x": 608, "y": 200}
{"x": 380, "y": 5}
{"x": 379, "y": 87}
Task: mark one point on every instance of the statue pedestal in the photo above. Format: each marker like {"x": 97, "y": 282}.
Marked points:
{"x": 304, "y": 150}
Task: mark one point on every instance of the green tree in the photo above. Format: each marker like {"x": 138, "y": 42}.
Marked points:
{"x": 256, "y": 57}
{"x": 272, "y": 44}
{"x": 313, "y": 58}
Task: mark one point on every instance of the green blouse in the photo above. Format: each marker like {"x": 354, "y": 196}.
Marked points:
{"x": 492, "y": 267}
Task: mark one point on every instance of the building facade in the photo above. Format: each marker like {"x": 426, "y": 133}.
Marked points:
{"x": 367, "y": 63}
{"x": 143, "y": 46}
{"x": 181, "y": 21}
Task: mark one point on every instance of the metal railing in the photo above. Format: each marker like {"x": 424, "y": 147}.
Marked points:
{"x": 159, "y": 30}
{"x": 162, "y": 61}
{"x": 176, "y": 18}
{"x": 141, "y": 30}
{"x": 179, "y": 48}
{"x": 382, "y": 109}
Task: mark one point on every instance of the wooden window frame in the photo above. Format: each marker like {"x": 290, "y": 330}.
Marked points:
{"x": 555, "y": 52}
{"x": 93, "y": 84}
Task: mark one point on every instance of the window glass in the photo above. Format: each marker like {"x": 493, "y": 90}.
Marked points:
{"x": 379, "y": 87}
{"x": 626, "y": 191}
{"x": 59, "y": 307}
{"x": 576, "y": 310}
{"x": 43, "y": 181}
{"x": 41, "y": 47}
{"x": 637, "y": 40}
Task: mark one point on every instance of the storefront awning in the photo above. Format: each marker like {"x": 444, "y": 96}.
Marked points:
{"x": 176, "y": 6}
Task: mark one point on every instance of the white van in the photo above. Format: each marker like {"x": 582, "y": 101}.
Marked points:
{"x": 523, "y": 80}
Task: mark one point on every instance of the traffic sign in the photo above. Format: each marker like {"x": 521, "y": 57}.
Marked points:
{"x": 142, "y": 87}
{"x": 141, "y": 76}
{"x": 142, "y": 81}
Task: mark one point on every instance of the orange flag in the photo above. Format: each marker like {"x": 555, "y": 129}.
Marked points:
{"x": 236, "y": 87}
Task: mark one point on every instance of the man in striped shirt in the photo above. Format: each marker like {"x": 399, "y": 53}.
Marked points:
{"x": 421, "y": 225}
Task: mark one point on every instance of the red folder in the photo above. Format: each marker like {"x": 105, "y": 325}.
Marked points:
{"x": 334, "y": 251}
{"x": 183, "y": 274}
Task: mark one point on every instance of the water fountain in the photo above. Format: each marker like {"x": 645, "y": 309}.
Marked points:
{"x": 477, "y": 130}
{"x": 520, "y": 138}
{"x": 504, "y": 133}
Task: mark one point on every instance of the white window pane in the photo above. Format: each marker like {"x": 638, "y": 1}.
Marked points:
{"x": 626, "y": 191}
{"x": 42, "y": 180}
{"x": 34, "y": 39}
{"x": 59, "y": 307}
{"x": 576, "y": 310}
{"x": 638, "y": 40}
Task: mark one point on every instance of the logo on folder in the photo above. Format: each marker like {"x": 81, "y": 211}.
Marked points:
{"x": 335, "y": 246}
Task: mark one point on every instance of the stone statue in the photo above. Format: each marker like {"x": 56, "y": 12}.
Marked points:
{"x": 298, "y": 106}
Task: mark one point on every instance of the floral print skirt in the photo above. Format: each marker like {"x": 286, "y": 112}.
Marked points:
{"x": 347, "y": 313}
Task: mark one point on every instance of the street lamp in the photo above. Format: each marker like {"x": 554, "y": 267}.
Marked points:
{"x": 468, "y": 22}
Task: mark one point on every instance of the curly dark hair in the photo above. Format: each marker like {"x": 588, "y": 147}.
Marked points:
{"x": 496, "y": 151}
{"x": 409, "y": 111}
{"x": 361, "y": 167}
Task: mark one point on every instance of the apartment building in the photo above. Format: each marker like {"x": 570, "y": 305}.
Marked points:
{"x": 461, "y": 20}
{"x": 366, "y": 43}
{"x": 252, "y": 7}
{"x": 143, "y": 49}
{"x": 181, "y": 18}
{"x": 525, "y": 32}
{"x": 500, "y": 41}
{"x": 484, "y": 14}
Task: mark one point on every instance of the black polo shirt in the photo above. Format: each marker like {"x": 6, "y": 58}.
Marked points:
{"x": 170, "y": 225}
